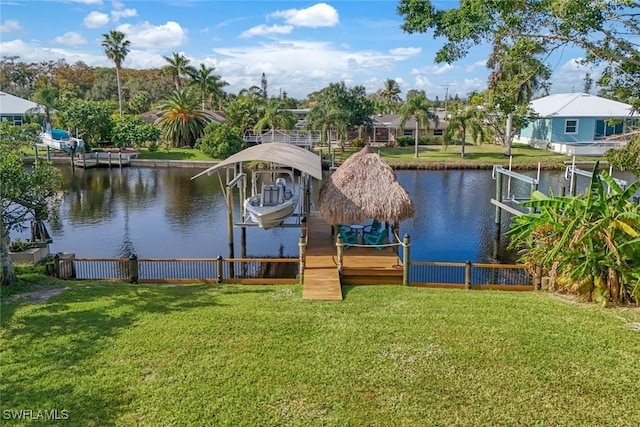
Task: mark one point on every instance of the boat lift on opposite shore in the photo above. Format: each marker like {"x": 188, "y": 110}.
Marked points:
{"x": 571, "y": 174}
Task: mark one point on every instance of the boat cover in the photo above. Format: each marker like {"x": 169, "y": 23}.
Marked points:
{"x": 275, "y": 152}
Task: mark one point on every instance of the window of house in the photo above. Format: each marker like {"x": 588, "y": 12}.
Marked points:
{"x": 407, "y": 132}
{"x": 437, "y": 132}
{"x": 571, "y": 126}
{"x": 605, "y": 128}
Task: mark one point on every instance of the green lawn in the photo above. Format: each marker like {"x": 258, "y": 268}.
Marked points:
{"x": 430, "y": 156}
{"x": 476, "y": 156}
{"x": 119, "y": 354}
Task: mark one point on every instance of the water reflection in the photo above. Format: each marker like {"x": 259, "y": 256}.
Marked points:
{"x": 158, "y": 212}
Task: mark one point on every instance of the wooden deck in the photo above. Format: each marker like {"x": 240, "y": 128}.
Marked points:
{"x": 361, "y": 266}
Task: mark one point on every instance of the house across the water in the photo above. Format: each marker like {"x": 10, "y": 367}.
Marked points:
{"x": 578, "y": 124}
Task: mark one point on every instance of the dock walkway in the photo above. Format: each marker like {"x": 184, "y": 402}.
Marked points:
{"x": 361, "y": 265}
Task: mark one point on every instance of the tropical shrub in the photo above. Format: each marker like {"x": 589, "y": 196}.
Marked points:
{"x": 358, "y": 143}
{"x": 589, "y": 244}
{"x": 131, "y": 129}
{"x": 220, "y": 141}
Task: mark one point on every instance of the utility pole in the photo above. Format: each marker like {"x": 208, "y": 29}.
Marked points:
{"x": 446, "y": 95}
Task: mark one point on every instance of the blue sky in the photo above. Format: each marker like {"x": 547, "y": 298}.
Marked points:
{"x": 301, "y": 46}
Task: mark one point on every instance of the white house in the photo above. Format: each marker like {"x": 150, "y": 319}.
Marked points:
{"x": 13, "y": 109}
{"x": 578, "y": 124}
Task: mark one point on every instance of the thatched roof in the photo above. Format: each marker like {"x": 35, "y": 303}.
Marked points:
{"x": 364, "y": 187}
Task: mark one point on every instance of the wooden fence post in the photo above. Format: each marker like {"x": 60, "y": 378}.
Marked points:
{"x": 133, "y": 268}
{"x": 302, "y": 245}
{"x": 56, "y": 265}
{"x": 537, "y": 280}
{"x": 467, "y": 275}
{"x": 406, "y": 255}
{"x": 340, "y": 247}
{"x": 219, "y": 267}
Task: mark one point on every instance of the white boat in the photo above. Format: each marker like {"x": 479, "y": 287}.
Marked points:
{"x": 59, "y": 139}
{"x": 273, "y": 204}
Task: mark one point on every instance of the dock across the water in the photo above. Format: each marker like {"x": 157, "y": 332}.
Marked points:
{"x": 98, "y": 159}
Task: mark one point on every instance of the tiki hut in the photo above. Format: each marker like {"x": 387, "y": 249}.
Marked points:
{"x": 364, "y": 187}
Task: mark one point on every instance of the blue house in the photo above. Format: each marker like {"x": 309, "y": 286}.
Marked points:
{"x": 578, "y": 124}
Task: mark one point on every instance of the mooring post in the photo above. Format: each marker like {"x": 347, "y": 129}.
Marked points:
{"x": 563, "y": 191}
{"x": 467, "y": 275}
{"x": 406, "y": 259}
{"x": 48, "y": 153}
{"x": 56, "y": 265}
{"x": 133, "y": 268}
{"x": 230, "y": 231}
{"x": 340, "y": 247}
{"x": 498, "y": 216}
{"x": 219, "y": 266}
{"x": 302, "y": 245}
{"x": 534, "y": 187}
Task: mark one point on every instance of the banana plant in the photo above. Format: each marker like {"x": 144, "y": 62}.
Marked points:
{"x": 592, "y": 240}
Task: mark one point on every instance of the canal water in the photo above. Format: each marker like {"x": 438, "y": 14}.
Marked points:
{"x": 163, "y": 213}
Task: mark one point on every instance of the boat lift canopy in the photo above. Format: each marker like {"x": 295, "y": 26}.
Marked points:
{"x": 275, "y": 152}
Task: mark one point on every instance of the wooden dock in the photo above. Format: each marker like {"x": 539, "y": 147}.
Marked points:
{"x": 97, "y": 159}
{"x": 361, "y": 265}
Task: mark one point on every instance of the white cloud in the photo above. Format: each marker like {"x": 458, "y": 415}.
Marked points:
{"x": 145, "y": 35}
{"x": 70, "y": 38}
{"x": 264, "y": 30}
{"x": 242, "y": 67}
{"x": 118, "y": 14}
{"x": 95, "y": 20}
{"x": 318, "y": 15}
{"x": 29, "y": 52}
{"x": 90, "y": 2}
{"x": 10, "y": 25}
{"x": 478, "y": 64}
{"x": 433, "y": 69}
{"x": 406, "y": 51}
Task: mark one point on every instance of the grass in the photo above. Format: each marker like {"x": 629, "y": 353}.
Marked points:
{"x": 119, "y": 354}
{"x": 476, "y": 156}
{"x": 482, "y": 156}
{"x": 174, "y": 154}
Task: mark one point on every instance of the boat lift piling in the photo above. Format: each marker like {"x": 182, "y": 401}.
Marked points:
{"x": 497, "y": 174}
{"x": 572, "y": 172}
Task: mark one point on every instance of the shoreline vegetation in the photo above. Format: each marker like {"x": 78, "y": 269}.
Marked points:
{"x": 431, "y": 157}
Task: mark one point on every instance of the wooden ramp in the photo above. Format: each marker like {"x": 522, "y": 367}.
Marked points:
{"x": 361, "y": 265}
{"x": 321, "y": 280}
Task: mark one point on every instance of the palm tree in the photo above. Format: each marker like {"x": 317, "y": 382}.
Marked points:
{"x": 182, "y": 121}
{"x": 416, "y": 106}
{"x": 207, "y": 83}
{"x": 177, "y": 69}
{"x": 460, "y": 123}
{"x": 323, "y": 116}
{"x": 391, "y": 93}
{"x": 47, "y": 97}
{"x": 116, "y": 47}
{"x": 273, "y": 115}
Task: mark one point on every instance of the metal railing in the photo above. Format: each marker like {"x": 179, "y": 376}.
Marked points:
{"x": 471, "y": 276}
{"x": 179, "y": 270}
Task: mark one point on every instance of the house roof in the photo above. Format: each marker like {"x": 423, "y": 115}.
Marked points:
{"x": 580, "y": 105}
{"x": 12, "y": 105}
{"x": 393, "y": 121}
{"x": 275, "y": 152}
